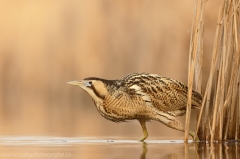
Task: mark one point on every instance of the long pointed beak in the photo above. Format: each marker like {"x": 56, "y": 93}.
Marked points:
{"x": 77, "y": 83}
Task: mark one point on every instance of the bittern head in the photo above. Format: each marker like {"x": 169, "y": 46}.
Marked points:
{"x": 95, "y": 87}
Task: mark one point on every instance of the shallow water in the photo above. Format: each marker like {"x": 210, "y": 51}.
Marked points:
{"x": 91, "y": 148}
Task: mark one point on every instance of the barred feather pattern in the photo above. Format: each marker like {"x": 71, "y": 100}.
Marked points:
{"x": 144, "y": 96}
{"x": 165, "y": 94}
{"x": 140, "y": 96}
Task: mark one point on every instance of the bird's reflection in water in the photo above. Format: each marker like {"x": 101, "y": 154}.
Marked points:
{"x": 181, "y": 151}
{"x": 163, "y": 150}
{"x": 144, "y": 150}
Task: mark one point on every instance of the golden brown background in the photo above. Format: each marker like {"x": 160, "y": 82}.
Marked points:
{"x": 44, "y": 44}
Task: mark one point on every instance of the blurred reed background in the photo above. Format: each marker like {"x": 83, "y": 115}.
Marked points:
{"x": 44, "y": 44}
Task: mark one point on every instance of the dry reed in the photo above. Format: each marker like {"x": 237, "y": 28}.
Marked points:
{"x": 195, "y": 58}
{"x": 219, "y": 117}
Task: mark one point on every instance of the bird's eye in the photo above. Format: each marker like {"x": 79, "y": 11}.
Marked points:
{"x": 88, "y": 83}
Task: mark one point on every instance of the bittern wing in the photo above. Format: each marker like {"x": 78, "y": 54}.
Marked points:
{"x": 163, "y": 93}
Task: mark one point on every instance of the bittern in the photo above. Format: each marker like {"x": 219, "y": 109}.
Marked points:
{"x": 140, "y": 96}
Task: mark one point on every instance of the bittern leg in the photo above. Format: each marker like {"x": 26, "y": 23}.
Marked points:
{"x": 172, "y": 122}
{"x": 194, "y": 135}
{"x": 175, "y": 124}
{"x": 144, "y": 128}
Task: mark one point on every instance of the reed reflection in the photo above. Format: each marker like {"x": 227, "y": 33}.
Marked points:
{"x": 225, "y": 150}
{"x": 186, "y": 150}
{"x": 218, "y": 150}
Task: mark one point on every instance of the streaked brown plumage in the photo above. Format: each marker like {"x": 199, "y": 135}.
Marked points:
{"x": 140, "y": 96}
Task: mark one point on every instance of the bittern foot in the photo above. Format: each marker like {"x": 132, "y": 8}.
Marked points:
{"x": 194, "y": 136}
{"x": 145, "y": 133}
{"x": 143, "y": 138}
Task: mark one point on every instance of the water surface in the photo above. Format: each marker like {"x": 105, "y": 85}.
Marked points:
{"x": 93, "y": 148}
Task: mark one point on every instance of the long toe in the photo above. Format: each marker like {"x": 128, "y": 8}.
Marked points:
{"x": 194, "y": 136}
{"x": 142, "y": 138}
